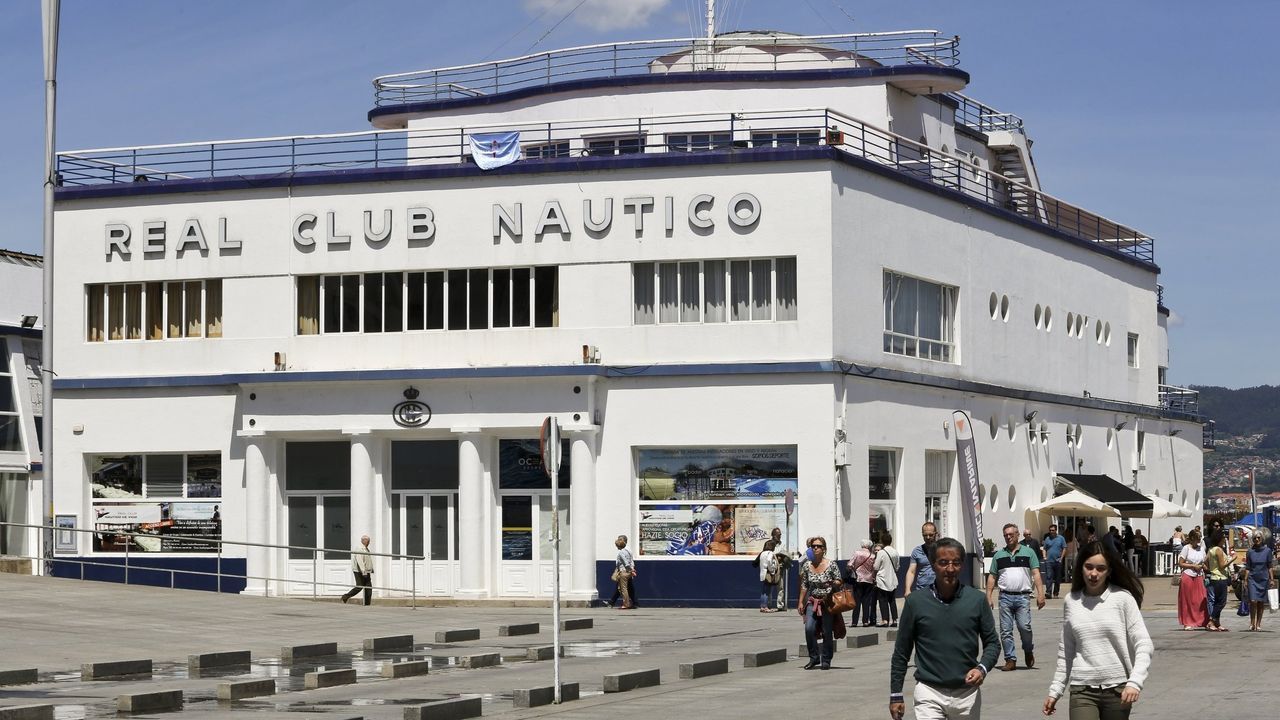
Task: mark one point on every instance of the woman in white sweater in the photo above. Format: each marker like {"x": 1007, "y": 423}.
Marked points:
{"x": 1105, "y": 651}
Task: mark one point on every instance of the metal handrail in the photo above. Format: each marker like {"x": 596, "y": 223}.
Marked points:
{"x": 216, "y": 552}
{"x": 266, "y": 157}
{"x": 912, "y": 47}
{"x": 982, "y": 117}
{"x": 1179, "y": 399}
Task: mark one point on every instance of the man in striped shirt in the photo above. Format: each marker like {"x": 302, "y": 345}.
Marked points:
{"x": 1015, "y": 572}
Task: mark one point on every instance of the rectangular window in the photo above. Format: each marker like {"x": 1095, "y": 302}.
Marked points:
{"x": 308, "y": 305}
{"x": 937, "y": 488}
{"x": 521, "y": 297}
{"x": 478, "y": 311}
{"x": 784, "y": 138}
{"x": 156, "y": 310}
{"x": 1133, "y": 350}
{"x": 457, "y": 299}
{"x": 10, "y": 420}
{"x": 690, "y": 297}
{"x": 701, "y": 291}
{"x": 373, "y": 302}
{"x": 501, "y": 298}
{"x": 882, "y": 490}
{"x": 713, "y": 291}
{"x": 1140, "y": 450}
{"x": 695, "y": 142}
{"x": 615, "y": 146}
{"x": 761, "y": 289}
{"x": 435, "y": 301}
{"x": 785, "y": 273}
{"x": 350, "y": 303}
{"x": 415, "y": 301}
{"x": 919, "y": 318}
{"x": 740, "y": 290}
{"x": 668, "y": 292}
{"x": 642, "y": 280}
{"x": 332, "y": 304}
{"x": 547, "y": 150}
{"x": 156, "y": 503}
{"x": 546, "y": 296}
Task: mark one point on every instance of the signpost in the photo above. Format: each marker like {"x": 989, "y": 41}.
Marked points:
{"x": 549, "y": 440}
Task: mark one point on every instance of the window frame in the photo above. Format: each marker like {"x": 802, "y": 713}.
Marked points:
{"x": 1133, "y": 349}
{"x": 949, "y": 315}
{"x": 728, "y": 285}
{"x": 101, "y": 292}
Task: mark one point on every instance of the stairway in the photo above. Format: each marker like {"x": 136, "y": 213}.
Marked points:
{"x": 1013, "y": 158}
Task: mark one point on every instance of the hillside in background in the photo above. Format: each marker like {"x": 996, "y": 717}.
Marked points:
{"x": 1248, "y": 436}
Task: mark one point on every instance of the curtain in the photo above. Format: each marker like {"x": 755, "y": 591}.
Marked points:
{"x": 174, "y": 301}
{"x": 155, "y": 311}
{"x": 193, "y": 315}
{"x": 740, "y": 289}
{"x": 97, "y": 319}
{"x": 133, "y": 311}
{"x": 308, "y": 305}
{"x": 689, "y": 295}
{"x": 642, "y": 283}
{"x": 761, "y": 289}
{"x": 213, "y": 308}
{"x": 785, "y": 268}
{"x": 115, "y": 312}
{"x": 668, "y": 293}
{"x": 713, "y": 291}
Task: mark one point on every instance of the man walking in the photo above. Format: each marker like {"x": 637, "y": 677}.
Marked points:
{"x": 1015, "y": 572}
{"x": 943, "y": 624}
{"x": 1053, "y": 545}
{"x": 920, "y": 571}
{"x": 362, "y": 568}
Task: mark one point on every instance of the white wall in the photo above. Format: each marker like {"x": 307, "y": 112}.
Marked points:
{"x": 20, "y": 293}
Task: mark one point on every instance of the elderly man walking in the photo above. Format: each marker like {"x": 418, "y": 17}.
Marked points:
{"x": 1015, "y": 574}
{"x": 362, "y": 568}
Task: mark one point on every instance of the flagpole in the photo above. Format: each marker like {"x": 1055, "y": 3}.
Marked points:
{"x": 50, "y": 10}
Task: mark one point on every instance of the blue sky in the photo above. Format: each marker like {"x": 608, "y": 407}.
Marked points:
{"x": 1160, "y": 115}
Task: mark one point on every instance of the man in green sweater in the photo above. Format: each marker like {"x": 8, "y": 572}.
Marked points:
{"x": 943, "y": 626}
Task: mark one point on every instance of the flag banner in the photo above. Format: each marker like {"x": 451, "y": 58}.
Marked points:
{"x": 493, "y": 150}
{"x": 967, "y": 454}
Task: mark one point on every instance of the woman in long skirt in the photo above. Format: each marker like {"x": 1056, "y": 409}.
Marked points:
{"x": 1192, "y": 609}
{"x": 1258, "y": 563}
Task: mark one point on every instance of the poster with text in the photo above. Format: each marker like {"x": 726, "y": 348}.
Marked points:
{"x": 180, "y": 527}
{"x": 711, "y": 473}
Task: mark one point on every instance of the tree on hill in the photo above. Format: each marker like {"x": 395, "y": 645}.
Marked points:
{"x": 1247, "y": 411}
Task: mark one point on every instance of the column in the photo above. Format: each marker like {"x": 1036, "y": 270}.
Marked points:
{"x": 363, "y": 494}
{"x": 473, "y": 515}
{"x": 257, "y": 482}
{"x": 582, "y": 509}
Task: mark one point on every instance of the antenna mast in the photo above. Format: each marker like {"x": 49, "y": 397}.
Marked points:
{"x": 711, "y": 20}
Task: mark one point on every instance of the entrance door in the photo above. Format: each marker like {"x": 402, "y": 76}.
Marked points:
{"x": 322, "y": 522}
{"x": 426, "y": 525}
{"x": 525, "y": 553}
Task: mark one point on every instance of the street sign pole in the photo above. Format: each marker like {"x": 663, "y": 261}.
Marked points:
{"x": 790, "y": 506}
{"x": 550, "y": 442}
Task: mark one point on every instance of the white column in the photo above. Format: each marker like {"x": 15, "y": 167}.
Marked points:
{"x": 363, "y": 493}
{"x": 582, "y": 512}
{"x": 257, "y": 482}
{"x": 473, "y": 515}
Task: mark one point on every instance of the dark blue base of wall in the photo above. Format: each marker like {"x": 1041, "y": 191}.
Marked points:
{"x": 692, "y": 583}
{"x": 176, "y": 572}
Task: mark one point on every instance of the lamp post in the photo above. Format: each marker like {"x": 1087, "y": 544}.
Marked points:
{"x": 50, "y": 10}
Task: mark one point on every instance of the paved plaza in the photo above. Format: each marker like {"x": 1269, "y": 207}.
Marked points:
{"x": 57, "y": 625}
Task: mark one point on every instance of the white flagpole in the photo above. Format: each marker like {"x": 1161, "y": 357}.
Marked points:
{"x": 50, "y": 10}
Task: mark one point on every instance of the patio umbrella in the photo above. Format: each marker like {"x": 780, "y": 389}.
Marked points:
{"x": 1075, "y": 503}
{"x": 1160, "y": 509}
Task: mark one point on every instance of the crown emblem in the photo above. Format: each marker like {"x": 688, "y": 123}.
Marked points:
{"x": 411, "y": 393}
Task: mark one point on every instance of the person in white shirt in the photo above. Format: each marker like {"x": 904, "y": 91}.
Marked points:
{"x": 1105, "y": 651}
{"x": 362, "y": 568}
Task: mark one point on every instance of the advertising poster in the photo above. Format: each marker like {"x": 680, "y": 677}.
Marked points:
{"x": 687, "y": 530}
{"x": 520, "y": 465}
{"x": 752, "y": 525}
{"x": 752, "y": 473}
{"x": 181, "y": 527}
{"x": 660, "y": 524}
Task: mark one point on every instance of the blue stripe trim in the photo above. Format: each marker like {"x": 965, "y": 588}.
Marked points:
{"x": 806, "y": 367}
{"x": 668, "y": 79}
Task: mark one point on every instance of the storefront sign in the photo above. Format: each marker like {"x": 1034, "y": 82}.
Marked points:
{"x": 179, "y": 527}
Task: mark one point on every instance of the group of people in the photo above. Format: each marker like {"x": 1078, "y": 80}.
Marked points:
{"x": 1206, "y": 571}
{"x": 1104, "y": 651}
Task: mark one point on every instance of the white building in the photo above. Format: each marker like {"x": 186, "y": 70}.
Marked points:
{"x": 21, "y": 472}
{"x": 728, "y": 268}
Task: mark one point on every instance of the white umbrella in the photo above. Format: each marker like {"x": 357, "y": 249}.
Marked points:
{"x": 1075, "y": 503}
{"x": 1161, "y": 508}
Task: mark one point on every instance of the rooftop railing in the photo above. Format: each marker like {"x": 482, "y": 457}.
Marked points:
{"x": 983, "y": 118}
{"x": 1179, "y": 399}
{"x": 740, "y": 132}
{"x": 725, "y": 53}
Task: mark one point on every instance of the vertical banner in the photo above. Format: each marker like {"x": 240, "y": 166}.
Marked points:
{"x": 967, "y": 454}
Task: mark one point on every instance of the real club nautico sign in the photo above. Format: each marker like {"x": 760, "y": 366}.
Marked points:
{"x": 417, "y": 225}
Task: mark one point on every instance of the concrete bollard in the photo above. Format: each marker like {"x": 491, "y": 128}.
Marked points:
{"x": 406, "y": 669}
{"x": 703, "y": 668}
{"x": 151, "y": 702}
{"x": 329, "y": 678}
{"x": 539, "y": 696}
{"x": 289, "y": 653}
{"x": 479, "y": 660}
{"x": 246, "y": 689}
{"x": 862, "y": 640}
{"x": 455, "y": 709}
{"x": 519, "y": 629}
{"x": 19, "y": 677}
{"x": 389, "y": 643}
{"x": 764, "y": 657}
{"x": 460, "y": 635}
{"x": 115, "y": 669}
{"x": 26, "y": 712}
{"x": 542, "y": 652}
{"x": 622, "y": 682}
{"x": 217, "y": 659}
{"x": 577, "y": 624}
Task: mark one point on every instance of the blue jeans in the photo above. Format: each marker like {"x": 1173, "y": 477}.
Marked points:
{"x": 1051, "y": 572}
{"x": 768, "y": 595}
{"x": 1015, "y": 608}
{"x": 811, "y": 624}
{"x": 1217, "y": 591}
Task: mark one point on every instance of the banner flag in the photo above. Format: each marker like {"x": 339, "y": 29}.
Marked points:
{"x": 493, "y": 150}
{"x": 967, "y": 455}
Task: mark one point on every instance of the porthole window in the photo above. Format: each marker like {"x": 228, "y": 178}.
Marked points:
{"x": 1012, "y": 425}
{"x": 1080, "y": 323}
{"x": 1039, "y": 316}
{"x": 994, "y": 424}
{"x": 1048, "y": 318}
{"x": 1196, "y": 504}
{"x": 982, "y": 494}
{"x": 1097, "y": 331}
{"x": 1184, "y": 500}
{"x": 994, "y": 305}
{"x": 1032, "y": 434}
{"x": 1004, "y": 308}
{"x": 1071, "y": 319}
{"x": 1106, "y": 334}
{"x": 1013, "y": 497}
{"x": 994, "y": 496}
{"x": 1079, "y": 435}
{"x": 1044, "y": 494}
{"x": 1111, "y": 438}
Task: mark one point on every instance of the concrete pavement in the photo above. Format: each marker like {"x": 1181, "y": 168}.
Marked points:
{"x": 56, "y": 625}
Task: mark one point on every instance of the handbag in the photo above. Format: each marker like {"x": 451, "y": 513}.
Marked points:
{"x": 838, "y": 629}
{"x": 1273, "y": 599}
{"x": 617, "y": 575}
{"x": 842, "y": 601}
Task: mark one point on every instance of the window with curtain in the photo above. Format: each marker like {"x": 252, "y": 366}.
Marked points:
{"x": 690, "y": 280}
{"x": 785, "y": 279}
{"x": 96, "y": 308}
{"x": 713, "y": 291}
{"x": 919, "y": 318}
{"x": 308, "y": 306}
{"x": 156, "y": 310}
{"x": 668, "y": 292}
{"x": 642, "y": 282}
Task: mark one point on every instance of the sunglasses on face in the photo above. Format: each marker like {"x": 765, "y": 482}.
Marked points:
{"x": 818, "y": 547}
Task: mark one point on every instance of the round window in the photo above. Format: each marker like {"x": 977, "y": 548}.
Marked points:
{"x": 994, "y": 496}
{"x": 994, "y": 306}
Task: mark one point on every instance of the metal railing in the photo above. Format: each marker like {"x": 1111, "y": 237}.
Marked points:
{"x": 1179, "y": 399}
{"x": 725, "y": 132}
{"x": 735, "y": 52}
{"x": 983, "y": 118}
{"x": 1209, "y": 435}
{"x": 137, "y": 561}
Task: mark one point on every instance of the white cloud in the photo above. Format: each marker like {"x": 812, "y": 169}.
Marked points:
{"x": 599, "y": 14}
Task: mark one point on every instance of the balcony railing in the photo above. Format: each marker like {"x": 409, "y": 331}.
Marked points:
{"x": 736, "y": 52}
{"x": 1179, "y": 399}
{"x": 741, "y": 132}
{"x": 983, "y": 118}
{"x": 1209, "y": 436}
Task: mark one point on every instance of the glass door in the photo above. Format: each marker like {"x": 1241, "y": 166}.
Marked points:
{"x": 425, "y": 526}
{"x": 326, "y": 518}
{"x": 525, "y": 549}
